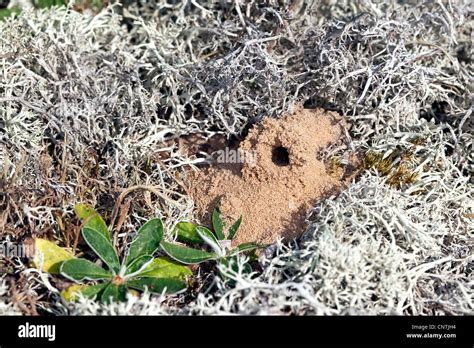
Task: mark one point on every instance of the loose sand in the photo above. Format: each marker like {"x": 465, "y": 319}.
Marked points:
{"x": 279, "y": 180}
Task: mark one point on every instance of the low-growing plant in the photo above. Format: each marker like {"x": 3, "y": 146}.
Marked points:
{"x": 219, "y": 242}
{"x": 393, "y": 167}
{"x": 139, "y": 269}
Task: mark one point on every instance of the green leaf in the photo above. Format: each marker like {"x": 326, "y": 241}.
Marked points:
{"x": 245, "y": 247}
{"x": 114, "y": 293}
{"x": 82, "y": 269}
{"x": 233, "y": 229}
{"x": 210, "y": 239}
{"x": 163, "y": 267}
{"x": 73, "y": 292}
{"x": 187, "y": 255}
{"x": 92, "y": 218}
{"x": 138, "y": 263}
{"x": 147, "y": 240}
{"x": 102, "y": 247}
{"x": 158, "y": 285}
{"x": 48, "y": 256}
{"x": 186, "y": 232}
{"x": 217, "y": 223}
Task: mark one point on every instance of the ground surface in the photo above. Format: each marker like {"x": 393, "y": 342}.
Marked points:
{"x": 92, "y": 109}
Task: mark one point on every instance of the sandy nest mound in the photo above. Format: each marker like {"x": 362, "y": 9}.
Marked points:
{"x": 273, "y": 177}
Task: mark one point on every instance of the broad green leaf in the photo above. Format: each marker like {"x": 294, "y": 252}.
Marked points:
{"x": 147, "y": 240}
{"x": 138, "y": 263}
{"x": 217, "y": 223}
{"x": 48, "y": 256}
{"x": 158, "y": 285}
{"x": 245, "y": 247}
{"x": 233, "y": 229}
{"x": 187, "y": 255}
{"x": 210, "y": 239}
{"x": 186, "y": 232}
{"x": 114, "y": 293}
{"x": 92, "y": 218}
{"x": 82, "y": 269}
{"x": 163, "y": 267}
{"x": 102, "y": 247}
{"x": 73, "y": 292}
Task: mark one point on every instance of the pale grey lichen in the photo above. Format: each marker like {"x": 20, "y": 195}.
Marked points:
{"x": 90, "y": 106}
{"x": 6, "y": 305}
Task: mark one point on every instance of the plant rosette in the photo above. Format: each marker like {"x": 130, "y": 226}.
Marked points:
{"x": 219, "y": 242}
{"x": 139, "y": 270}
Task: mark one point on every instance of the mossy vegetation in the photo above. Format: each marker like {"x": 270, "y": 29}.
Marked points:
{"x": 396, "y": 166}
{"x": 334, "y": 166}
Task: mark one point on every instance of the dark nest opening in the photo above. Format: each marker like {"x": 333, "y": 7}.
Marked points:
{"x": 280, "y": 156}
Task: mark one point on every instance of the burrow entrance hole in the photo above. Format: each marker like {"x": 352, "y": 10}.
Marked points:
{"x": 280, "y": 156}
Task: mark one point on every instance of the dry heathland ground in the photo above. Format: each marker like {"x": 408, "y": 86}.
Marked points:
{"x": 92, "y": 108}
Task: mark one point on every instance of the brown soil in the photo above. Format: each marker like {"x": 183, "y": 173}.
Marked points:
{"x": 279, "y": 180}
